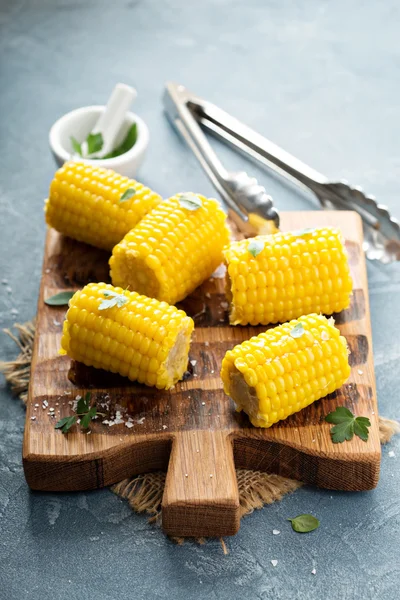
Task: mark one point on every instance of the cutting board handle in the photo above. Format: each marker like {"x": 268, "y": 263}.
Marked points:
{"x": 201, "y": 495}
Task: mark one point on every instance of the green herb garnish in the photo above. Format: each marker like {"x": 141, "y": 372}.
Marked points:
{"x": 127, "y": 194}
{"x": 190, "y": 201}
{"x": 346, "y": 425}
{"x": 115, "y": 300}
{"x": 297, "y": 331}
{"x": 66, "y": 423}
{"x": 76, "y": 146}
{"x": 94, "y": 142}
{"x": 128, "y": 142}
{"x": 60, "y": 299}
{"x": 83, "y": 410}
{"x": 304, "y": 523}
{"x": 255, "y": 246}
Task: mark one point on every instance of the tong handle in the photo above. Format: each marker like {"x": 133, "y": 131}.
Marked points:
{"x": 254, "y": 144}
{"x": 176, "y": 99}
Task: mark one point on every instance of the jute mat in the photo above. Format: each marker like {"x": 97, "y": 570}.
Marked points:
{"x": 144, "y": 492}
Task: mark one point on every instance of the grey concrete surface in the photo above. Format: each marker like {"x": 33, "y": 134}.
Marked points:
{"x": 320, "y": 78}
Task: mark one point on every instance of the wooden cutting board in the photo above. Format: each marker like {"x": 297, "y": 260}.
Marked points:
{"x": 192, "y": 431}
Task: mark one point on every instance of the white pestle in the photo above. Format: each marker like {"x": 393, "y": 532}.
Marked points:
{"x": 112, "y": 119}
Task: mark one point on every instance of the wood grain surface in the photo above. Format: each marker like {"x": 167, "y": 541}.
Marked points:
{"x": 192, "y": 431}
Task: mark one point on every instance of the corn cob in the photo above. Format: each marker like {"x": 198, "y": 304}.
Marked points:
{"x": 285, "y": 369}
{"x": 84, "y": 203}
{"x": 275, "y": 278}
{"x": 173, "y": 249}
{"x": 123, "y": 332}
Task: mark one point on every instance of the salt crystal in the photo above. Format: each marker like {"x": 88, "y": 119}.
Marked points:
{"x": 324, "y": 335}
{"x": 51, "y": 409}
{"x": 45, "y": 403}
{"x": 372, "y": 412}
{"x": 274, "y": 563}
{"x": 224, "y": 305}
{"x": 275, "y": 531}
{"x": 36, "y": 405}
{"x": 219, "y": 273}
{"x": 65, "y": 393}
{"x": 47, "y": 271}
{"x": 14, "y": 311}
{"x": 208, "y": 295}
{"x": 314, "y": 571}
{"x": 129, "y": 424}
{"x": 9, "y": 289}
{"x": 56, "y": 323}
{"x": 164, "y": 427}
{"x": 211, "y": 474}
{"x": 221, "y": 320}
{"x": 94, "y": 538}
{"x": 4, "y": 281}
{"x": 140, "y": 421}
{"x": 391, "y": 454}
{"x": 206, "y": 343}
{"x": 193, "y": 362}
{"x": 33, "y": 418}
{"x": 186, "y": 475}
{"x": 360, "y": 372}
{"x": 203, "y": 403}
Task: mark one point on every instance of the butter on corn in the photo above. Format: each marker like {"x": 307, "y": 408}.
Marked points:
{"x": 173, "y": 249}
{"x": 84, "y": 203}
{"x": 285, "y": 369}
{"x": 275, "y": 278}
{"x": 137, "y": 337}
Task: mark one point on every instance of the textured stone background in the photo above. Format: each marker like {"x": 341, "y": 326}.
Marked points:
{"x": 321, "y": 79}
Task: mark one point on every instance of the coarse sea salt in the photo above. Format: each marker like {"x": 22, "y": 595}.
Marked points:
{"x": 129, "y": 424}
{"x": 391, "y": 453}
{"x": 314, "y": 571}
{"x": 274, "y": 563}
{"x": 275, "y": 531}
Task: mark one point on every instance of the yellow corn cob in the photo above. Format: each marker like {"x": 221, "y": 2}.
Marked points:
{"x": 84, "y": 203}
{"x": 291, "y": 275}
{"x": 142, "y": 338}
{"x": 285, "y": 369}
{"x": 172, "y": 250}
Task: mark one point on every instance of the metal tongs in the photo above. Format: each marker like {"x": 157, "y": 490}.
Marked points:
{"x": 248, "y": 202}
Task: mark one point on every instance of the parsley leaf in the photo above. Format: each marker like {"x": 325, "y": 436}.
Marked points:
{"x": 66, "y": 423}
{"x": 76, "y": 145}
{"x": 88, "y": 417}
{"x": 94, "y": 142}
{"x": 297, "y": 331}
{"x": 346, "y": 425}
{"x": 190, "y": 201}
{"x": 83, "y": 410}
{"x": 115, "y": 300}
{"x": 60, "y": 299}
{"x": 304, "y": 523}
{"x": 255, "y": 246}
{"x": 128, "y": 142}
{"x": 127, "y": 195}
